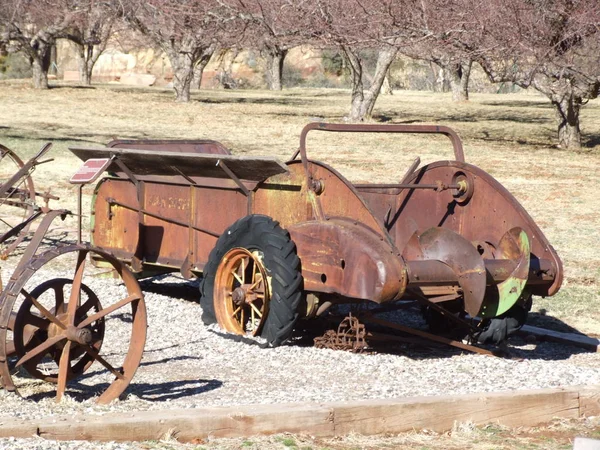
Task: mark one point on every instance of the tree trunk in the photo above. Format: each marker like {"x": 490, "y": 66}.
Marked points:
{"x": 85, "y": 62}
{"x": 199, "y": 68}
{"x": 275, "y": 58}
{"x": 40, "y": 63}
{"x": 386, "y": 88}
{"x": 363, "y": 101}
{"x": 567, "y": 109}
{"x": 459, "y": 80}
{"x": 183, "y": 73}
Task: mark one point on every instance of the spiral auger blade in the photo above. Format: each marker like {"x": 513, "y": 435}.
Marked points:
{"x": 515, "y": 247}
{"x": 460, "y": 255}
{"x": 485, "y": 295}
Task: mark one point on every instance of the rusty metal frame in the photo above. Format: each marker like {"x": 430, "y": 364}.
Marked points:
{"x": 375, "y": 128}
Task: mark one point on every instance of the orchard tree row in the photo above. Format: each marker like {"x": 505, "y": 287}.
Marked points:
{"x": 552, "y": 46}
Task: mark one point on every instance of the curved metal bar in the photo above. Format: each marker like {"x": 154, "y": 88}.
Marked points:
{"x": 375, "y": 128}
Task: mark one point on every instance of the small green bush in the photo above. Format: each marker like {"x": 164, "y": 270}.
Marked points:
{"x": 14, "y": 65}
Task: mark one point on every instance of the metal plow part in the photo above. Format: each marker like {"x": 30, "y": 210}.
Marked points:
{"x": 513, "y": 246}
{"x": 460, "y": 255}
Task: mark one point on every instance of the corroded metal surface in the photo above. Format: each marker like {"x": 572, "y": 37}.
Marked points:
{"x": 69, "y": 330}
{"x": 17, "y": 200}
{"x": 350, "y": 336}
{"x": 447, "y": 233}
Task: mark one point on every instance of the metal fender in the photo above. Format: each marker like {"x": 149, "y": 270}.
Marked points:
{"x": 347, "y": 258}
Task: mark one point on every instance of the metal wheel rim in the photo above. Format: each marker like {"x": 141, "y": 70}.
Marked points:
{"x": 135, "y": 299}
{"x": 25, "y": 313}
{"x": 242, "y": 269}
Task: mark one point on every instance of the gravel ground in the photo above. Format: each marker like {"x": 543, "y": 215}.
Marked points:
{"x": 189, "y": 365}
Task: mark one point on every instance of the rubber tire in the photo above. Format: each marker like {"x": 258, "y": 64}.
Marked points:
{"x": 258, "y": 232}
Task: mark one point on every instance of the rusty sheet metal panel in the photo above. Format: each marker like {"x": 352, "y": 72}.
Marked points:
{"x": 343, "y": 257}
{"x": 156, "y": 162}
{"x": 166, "y": 243}
{"x": 176, "y": 146}
{"x": 215, "y": 209}
{"x": 115, "y": 228}
{"x": 284, "y": 197}
{"x": 287, "y": 199}
{"x": 483, "y": 219}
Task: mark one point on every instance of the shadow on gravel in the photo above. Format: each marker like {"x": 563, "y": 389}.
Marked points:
{"x": 172, "y": 390}
{"x": 519, "y": 346}
{"x": 180, "y": 288}
{"x": 152, "y": 392}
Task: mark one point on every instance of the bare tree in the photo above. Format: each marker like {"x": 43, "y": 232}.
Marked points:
{"x": 90, "y": 33}
{"x": 359, "y": 31}
{"x": 366, "y": 87}
{"x": 550, "y": 45}
{"x": 33, "y": 27}
{"x": 273, "y": 27}
{"x": 201, "y": 65}
{"x": 186, "y": 30}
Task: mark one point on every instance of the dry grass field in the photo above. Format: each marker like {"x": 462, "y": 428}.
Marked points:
{"x": 512, "y": 136}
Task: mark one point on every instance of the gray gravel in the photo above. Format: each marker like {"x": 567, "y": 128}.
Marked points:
{"x": 188, "y": 365}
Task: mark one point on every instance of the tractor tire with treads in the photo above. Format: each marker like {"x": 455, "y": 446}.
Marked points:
{"x": 262, "y": 235}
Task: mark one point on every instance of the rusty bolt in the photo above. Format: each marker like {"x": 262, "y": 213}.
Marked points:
{"x": 317, "y": 186}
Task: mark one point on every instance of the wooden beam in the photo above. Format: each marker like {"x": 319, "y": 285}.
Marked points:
{"x": 526, "y": 408}
{"x": 579, "y": 340}
{"x": 440, "y": 413}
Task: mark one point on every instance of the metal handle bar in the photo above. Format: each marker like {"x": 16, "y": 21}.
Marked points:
{"x": 373, "y": 128}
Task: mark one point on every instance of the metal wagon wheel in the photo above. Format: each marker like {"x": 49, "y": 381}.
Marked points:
{"x": 61, "y": 326}
{"x": 242, "y": 292}
{"x": 17, "y": 203}
{"x": 252, "y": 281}
{"x": 32, "y": 327}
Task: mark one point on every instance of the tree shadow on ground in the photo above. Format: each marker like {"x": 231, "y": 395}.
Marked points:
{"x": 591, "y": 141}
{"x": 70, "y": 86}
{"x": 283, "y": 101}
{"x": 541, "y": 103}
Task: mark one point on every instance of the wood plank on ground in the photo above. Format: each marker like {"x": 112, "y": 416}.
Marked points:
{"x": 520, "y": 408}
{"x": 589, "y": 401}
{"x": 515, "y": 408}
{"x": 580, "y": 340}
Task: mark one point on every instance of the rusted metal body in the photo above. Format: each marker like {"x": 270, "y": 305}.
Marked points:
{"x": 276, "y": 241}
{"x": 446, "y": 231}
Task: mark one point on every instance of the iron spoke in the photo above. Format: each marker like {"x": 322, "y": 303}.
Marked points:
{"x": 36, "y": 321}
{"x": 40, "y": 349}
{"x": 254, "y": 308}
{"x": 59, "y": 296}
{"x": 75, "y": 297}
{"x": 47, "y": 314}
{"x": 104, "y": 312}
{"x": 64, "y": 369}
{"x": 94, "y": 353}
{"x": 237, "y": 277}
{"x": 83, "y": 309}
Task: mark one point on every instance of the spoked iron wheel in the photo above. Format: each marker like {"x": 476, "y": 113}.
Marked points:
{"x": 33, "y": 326}
{"x": 16, "y": 204}
{"x": 241, "y": 295}
{"x": 59, "y": 327}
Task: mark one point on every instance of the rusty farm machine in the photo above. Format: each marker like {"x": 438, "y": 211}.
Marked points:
{"x": 274, "y": 243}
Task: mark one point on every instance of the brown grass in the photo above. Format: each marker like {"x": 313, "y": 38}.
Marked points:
{"x": 512, "y": 136}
